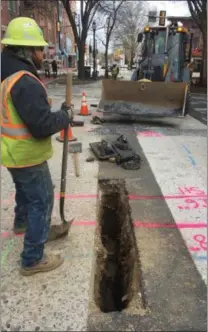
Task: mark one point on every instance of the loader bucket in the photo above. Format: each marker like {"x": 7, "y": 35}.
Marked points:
{"x": 158, "y": 99}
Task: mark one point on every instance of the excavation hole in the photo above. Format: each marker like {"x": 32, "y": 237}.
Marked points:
{"x": 117, "y": 271}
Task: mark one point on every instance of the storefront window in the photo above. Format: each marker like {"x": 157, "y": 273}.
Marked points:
{"x": 12, "y": 6}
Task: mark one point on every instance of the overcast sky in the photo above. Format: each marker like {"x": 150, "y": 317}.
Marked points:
{"x": 173, "y": 8}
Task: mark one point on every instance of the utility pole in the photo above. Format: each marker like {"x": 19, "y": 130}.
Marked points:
{"x": 94, "y": 52}
{"x": 59, "y": 26}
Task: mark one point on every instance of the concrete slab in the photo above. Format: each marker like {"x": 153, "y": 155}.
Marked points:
{"x": 44, "y": 302}
{"x": 58, "y": 300}
{"x": 173, "y": 300}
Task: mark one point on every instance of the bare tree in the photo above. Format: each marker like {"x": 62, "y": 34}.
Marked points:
{"x": 198, "y": 10}
{"x": 80, "y": 23}
{"x": 110, "y": 10}
{"x": 80, "y": 30}
{"x": 131, "y": 19}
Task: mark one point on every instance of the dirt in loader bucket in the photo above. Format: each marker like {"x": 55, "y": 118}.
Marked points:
{"x": 144, "y": 98}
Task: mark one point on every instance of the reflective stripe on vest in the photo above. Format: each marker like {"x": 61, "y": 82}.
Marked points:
{"x": 9, "y": 129}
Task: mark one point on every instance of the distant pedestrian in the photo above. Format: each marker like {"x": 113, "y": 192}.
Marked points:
{"x": 54, "y": 68}
{"x": 115, "y": 71}
{"x": 46, "y": 66}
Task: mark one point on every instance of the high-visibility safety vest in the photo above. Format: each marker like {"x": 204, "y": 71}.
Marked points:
{"x": 115, "y": 70}
{"x": 18, "y": 147}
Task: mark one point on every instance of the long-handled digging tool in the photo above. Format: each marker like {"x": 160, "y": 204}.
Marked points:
{"x": 59, "y": 231}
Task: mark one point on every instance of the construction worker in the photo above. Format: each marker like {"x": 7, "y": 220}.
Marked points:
{"x": 115, "y": 71}
{"x": 46, "y": 66}
{"x": 54, "y": 68}
{"x": 27, "y": 125}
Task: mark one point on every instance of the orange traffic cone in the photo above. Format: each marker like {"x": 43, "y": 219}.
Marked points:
{"x": 70, "y": 136}
{"x": 84, "y": 108}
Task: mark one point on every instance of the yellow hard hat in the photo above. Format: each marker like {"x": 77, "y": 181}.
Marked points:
{"x": 24, "y": 31}
{"x": 144, "y": 80}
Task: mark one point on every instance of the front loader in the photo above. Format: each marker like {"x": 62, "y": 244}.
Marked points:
{"x": 160, "y": 85}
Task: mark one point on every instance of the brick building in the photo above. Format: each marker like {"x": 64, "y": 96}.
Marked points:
{"x": 46, "y": 15}
{"x": 9, "y": 10}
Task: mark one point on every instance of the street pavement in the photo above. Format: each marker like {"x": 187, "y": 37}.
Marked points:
{"x": 198, "y": 109}
{"x": 169, "y": 190}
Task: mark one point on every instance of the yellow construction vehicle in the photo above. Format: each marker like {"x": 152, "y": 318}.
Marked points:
{"x": 160, "y": 84}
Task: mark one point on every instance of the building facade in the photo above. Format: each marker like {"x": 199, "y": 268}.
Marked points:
{"x": 57, "y": 31}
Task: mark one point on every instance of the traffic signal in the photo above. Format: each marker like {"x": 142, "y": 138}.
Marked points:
{"x": 90, "y": 49}
{"x": 162, "y": 18}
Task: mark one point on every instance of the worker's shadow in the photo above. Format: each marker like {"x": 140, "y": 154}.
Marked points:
{"x": 150, "y": 121}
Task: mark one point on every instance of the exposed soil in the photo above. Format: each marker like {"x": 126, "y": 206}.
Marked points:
{"x": 117, "y": 272}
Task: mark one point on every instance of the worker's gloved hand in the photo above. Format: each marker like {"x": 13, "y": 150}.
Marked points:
{"x": 68, "y": 109}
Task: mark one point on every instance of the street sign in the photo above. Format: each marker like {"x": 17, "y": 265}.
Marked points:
{"x": 162, "y": 18}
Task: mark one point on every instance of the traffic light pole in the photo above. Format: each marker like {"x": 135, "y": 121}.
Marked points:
{"x": 58, "y": 26}
{"x": 94, "y": 56}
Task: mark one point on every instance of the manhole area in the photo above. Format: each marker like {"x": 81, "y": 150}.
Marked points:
{"x": 117, "y": 271}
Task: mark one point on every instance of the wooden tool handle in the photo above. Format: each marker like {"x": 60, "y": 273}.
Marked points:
{"x": 69, "y": 89}
{"x": 76, "y": 164}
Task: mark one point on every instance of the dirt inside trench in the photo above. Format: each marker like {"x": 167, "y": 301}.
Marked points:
{"x": 118, "y": 278}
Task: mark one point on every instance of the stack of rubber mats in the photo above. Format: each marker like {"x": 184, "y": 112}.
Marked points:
{"x": 120, "y": 150}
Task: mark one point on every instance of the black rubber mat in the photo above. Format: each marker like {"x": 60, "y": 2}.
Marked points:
{"x": 95, "y": 148}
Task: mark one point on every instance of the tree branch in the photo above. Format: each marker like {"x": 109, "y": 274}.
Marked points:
{"x": 104, "y": 44}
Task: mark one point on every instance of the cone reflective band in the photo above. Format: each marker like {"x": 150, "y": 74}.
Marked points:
{"x": 162, "y": 18}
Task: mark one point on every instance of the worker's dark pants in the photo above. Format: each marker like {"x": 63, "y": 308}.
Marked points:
{"x": 47, "y": 73}
{"x": 34, "y": 205}
{"x": 54, "y": 73}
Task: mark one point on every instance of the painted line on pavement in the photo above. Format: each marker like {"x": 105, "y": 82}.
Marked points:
{"x": 200, "y": 109}
{"x": 131, "y": 197}
{"x": 189, "y": 155}
{"x": 8, "y": 249}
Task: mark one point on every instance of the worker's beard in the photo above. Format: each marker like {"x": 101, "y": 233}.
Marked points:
{"x": 38, "y": 64}
{"x": 26, "y": 53}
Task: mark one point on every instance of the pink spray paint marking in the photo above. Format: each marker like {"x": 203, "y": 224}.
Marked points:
{"x": 201, "y": 240}
{"x": 191, "y": 191}
{"x": 189, "y": 203}
{"x": 149, "y": 134}
{"x": 203, "y": 199}
{"x": 137, "y": 224}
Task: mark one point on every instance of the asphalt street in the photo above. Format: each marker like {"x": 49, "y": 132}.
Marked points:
{"x": 168, "y": 199}
{"x": 198, "y": 107}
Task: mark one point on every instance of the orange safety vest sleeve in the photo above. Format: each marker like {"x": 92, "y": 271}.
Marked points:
{"x": 29, "y": 98}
